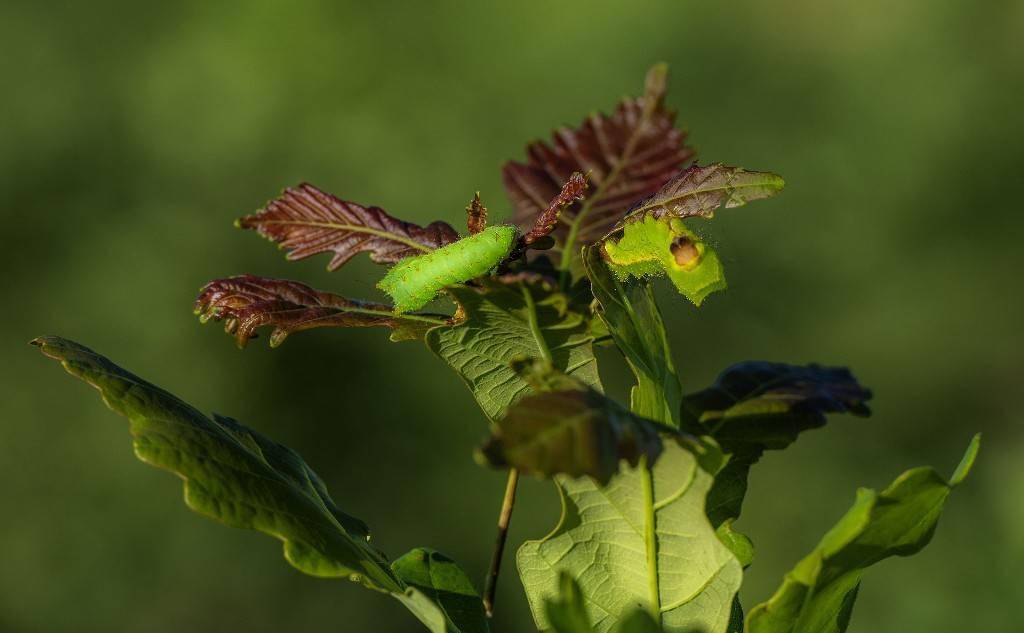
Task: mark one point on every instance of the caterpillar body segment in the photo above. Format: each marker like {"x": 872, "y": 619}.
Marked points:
{"x": 415, "y": 281}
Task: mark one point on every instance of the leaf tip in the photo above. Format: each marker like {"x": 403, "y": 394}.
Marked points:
{"x": 967, "y": 462}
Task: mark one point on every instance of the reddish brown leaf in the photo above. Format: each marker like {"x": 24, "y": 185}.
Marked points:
{"x": 248, "y": 302}
{"x": 307, "y": 221}
{"x": 476, "y": 215}
{"x": 702, "y": 190}
{"x": 628, "y": 155}
{"x": 572, "y": 191}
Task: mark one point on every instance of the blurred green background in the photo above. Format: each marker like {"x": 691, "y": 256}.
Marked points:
{"x": 132, "y": 134}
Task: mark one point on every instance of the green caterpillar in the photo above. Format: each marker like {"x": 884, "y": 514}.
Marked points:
{"x": 414, "y": 281}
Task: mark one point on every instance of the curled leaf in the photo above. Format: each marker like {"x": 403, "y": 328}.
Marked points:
{"x": 628, "y": 155}
{"x": 700, "y": 191}
{"x": 632, "y": 319}
{"x": 572, "y": 191}
{"x": 307, "y": 221}
{"x": 247, "y": 302}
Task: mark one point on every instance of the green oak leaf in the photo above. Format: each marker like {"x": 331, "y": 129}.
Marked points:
{"x": 632, "y": 319}
{"x": 756, "y": 406}
{"x": 568, "y": 614}
{"x": 570, "y": 429}
{"x": 505, "y": 320}
{"x": 644, "y": 540}
{"x": 652, "y": 247}
{"x": 243, "y": 479}
{"x": 817, "y": 596}
{"x": 443, "y": 582}
{"x": 608, "y": 538}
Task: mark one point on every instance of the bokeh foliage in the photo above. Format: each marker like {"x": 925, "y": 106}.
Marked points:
{"x": 132, "y": 134}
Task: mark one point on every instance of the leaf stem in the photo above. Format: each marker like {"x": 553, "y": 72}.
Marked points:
{"x": 534, "y": 325}
{"x": 650, "y": 539}
{"x": 504, "y": 518}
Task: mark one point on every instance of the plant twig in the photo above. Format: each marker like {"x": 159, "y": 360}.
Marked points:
{"x": 504, "y": 518}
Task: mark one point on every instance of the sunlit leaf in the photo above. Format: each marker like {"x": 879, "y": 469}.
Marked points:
{"x": 246, "y": 303}
{"x": 306, "y": 221}
{"x": 609, "y": 537}
{"x": 627, "y": 155}
{"x": 653, "y": 247}
{"x": 643, "y": 541}
{"x": 503, "y": 321}
{"x": 243, "y": 479}
{"x": 817, "y": 595}
{"x": 700, "y": 191}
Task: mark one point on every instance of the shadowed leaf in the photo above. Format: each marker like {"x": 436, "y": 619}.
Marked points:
{"x": 627, "y": 155}
{"x": 756, "y": 406}
{"x": 247, "y": 302}
{"x": 570, "y": 429}
{"x": 567, "y": 613}
{"x": 700, "y": 191}
{"x": 441, "y": 580}
{"x": 817, "y": 595}
{"x": 243, "y": 479}
{"x": 306, "y": 221}
{"x": 769, "y": 404}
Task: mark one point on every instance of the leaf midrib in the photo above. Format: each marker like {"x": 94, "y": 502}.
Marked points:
{"x": 355, "y": 228}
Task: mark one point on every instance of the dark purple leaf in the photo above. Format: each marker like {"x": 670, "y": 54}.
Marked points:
{"x": 246, "y": 303}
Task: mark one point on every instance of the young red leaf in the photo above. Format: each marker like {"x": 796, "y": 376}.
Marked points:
{"x": 628, "y": 155}
{"x": 572, "y": 191}
{"x": 247, "y": 302}
{"x": 307, "y": 221}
